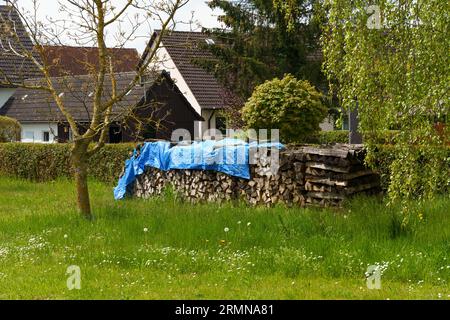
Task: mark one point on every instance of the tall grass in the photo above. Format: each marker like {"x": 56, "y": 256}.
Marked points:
{"x": 135, "y": 247}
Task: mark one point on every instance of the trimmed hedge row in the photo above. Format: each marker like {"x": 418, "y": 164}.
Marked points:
{"x": 47, "y": 162}
{"x": 329, "y": 137}
{"x": 342, "y": 136}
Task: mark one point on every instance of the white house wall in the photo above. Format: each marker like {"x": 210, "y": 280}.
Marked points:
{"x": 34, "y": 132}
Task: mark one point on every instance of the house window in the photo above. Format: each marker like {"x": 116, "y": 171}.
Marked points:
{"x": 70, "y": 134}
{"x": 345, "y": 123}
{"x": 115, "y": 135}
{"x": 46, "y": 136}
{"x": 221, "y": 124}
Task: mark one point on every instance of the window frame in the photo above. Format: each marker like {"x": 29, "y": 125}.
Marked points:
{"x": 44, "y": 133}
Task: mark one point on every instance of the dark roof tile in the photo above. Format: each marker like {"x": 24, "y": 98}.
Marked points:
{"x": 64, "y": 60}
{"x": 184, "y": 47}
{"x": 13, "y": 66}
{"x": 38, "y": 106}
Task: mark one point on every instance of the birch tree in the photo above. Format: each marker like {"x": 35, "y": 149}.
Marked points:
{"x": 392, "y": 57}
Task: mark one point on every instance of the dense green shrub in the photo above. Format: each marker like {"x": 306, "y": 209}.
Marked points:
{"x": 9, "y": 129}
{"x": 328, "y": 137}
{"x": 386, "y": 137}
{"x": 44, "y": 162}
{"x": 383, "y": 156}
{"x": 107, "y": 164}
{"x": 293, "y": 106}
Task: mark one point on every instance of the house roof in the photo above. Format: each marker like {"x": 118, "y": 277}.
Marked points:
{"x": 64, "y": 60}
{"x": 183, "y": 47}
{"x": 12, "y": 65}
{"x": 77, "y": 94}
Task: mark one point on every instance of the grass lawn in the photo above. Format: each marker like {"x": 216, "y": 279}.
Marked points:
{"x": 276, "y": 253}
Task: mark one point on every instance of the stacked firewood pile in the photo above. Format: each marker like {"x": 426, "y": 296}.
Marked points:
{"x": 316, "y": 176}
{"x": 285, "y": 186}
{"x": 337, "y": 173}
{"x": 191, "y": 185}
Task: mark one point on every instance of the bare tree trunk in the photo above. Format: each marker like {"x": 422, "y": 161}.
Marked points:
{"x": 104, "y": 92}
{"x": 79, "y": 163}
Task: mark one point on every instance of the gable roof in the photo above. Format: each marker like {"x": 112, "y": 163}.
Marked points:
{"x": 68, "y": 60}
{"x": 77, "y": 94}
{"x": 12, "y": 65}
{"x": 183, "y": 47}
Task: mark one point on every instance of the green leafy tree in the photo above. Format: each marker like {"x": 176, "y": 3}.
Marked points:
{"x": 259, "y": 44}
{"x": 9, "y": 129}
{"x": 293, "y": 106}
{"x": 392, "y": 58}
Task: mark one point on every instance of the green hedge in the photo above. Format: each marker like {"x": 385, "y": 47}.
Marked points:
{"x": 385, "y": 137}
{"x": 46, "y": 162}
{"x": 329, "y": 137}
{"x": 385, "y": 154}
{"x": 342, "y": 136}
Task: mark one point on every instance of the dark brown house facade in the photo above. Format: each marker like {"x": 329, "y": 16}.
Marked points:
{"x": 177, "y": 54}
{"x": 153, "y": 109}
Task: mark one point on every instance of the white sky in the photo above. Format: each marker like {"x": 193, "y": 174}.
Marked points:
{"x": 203, "y": 16}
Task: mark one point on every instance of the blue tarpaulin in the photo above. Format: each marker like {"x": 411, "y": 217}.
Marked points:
{"x": 229, "y": 156}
